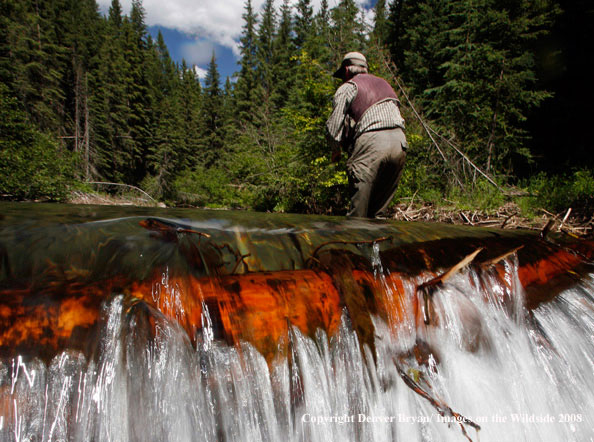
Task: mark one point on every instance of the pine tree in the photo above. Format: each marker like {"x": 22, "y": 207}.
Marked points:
{"x": 81, "y": 34}
{"x": 266, "y": 53}
{"x": 115, "y": 15}
{"x": 303, "y": 23}
{"x": 380, "y": 27}
{"x": 115, "y": 151}
{"x": 138, "y": 87}
{"x": 38, "y": 63}
{"x": 193, "y": 121}
{"x": 246, "y": 81}
{"x": 321, "y": 36}
{"x": 8, "y": 21}
{"x": 171, "y": 100}
{"x": 347, "y": 32}
{"x": 213, "y": 134}
{"x": 417, "y": 32}
{"x": 474, "y": 72}
{"x": 284, "y": 59}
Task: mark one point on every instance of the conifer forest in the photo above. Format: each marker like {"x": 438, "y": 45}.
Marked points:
{"x": 495, "y": 93}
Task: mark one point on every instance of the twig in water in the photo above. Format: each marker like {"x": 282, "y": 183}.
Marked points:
{"x": 495, "y": 260}
{"x": 428, "y": 287}
{"x": 241, "y": 259}
{"x": 162, "y": 226}
{"x": 317, "y": 249}
{"x": 441, "y": 407}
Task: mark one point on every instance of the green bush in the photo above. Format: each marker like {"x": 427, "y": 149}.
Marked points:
{"x": 480, "y": 195}
{"x": 211, "y": 188}
{"x": 32, "y": 165}
{"x": 426, "y": 183}
{"x": 557, "y": 193}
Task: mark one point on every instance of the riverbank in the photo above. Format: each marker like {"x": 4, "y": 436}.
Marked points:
{"x": 104, "y": 199}
{"x": 508, "y": 216}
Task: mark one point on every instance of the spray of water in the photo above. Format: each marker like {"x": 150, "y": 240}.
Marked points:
{"x": 519, "y": 375}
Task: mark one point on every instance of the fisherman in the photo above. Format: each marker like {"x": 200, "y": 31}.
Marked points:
{"x": 366, "y": 124}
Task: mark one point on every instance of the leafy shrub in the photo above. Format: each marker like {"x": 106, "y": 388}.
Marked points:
{"x": 32, "y": 165}
{"x": 557, "y": 193}
{"x": 211, "y": 188}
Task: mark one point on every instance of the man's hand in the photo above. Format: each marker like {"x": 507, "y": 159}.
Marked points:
{"x": 335, "y": 155}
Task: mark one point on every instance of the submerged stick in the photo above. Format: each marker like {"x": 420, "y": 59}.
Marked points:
{"x": 317, "y": 249}
{"x": 161, "y": 226}
{"x": 440, "y": 406}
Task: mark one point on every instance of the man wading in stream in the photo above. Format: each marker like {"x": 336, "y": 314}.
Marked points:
{"x": 366, "y": 124}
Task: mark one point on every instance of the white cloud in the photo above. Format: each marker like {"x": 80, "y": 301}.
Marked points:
{"x": 219, "y": 21}
{"x": 200, "y": 73}
{"x": 197, "y": 52}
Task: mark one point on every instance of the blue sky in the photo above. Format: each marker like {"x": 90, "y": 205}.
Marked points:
{"x": 197, "y": 51}
{"x": 193, "y": 29}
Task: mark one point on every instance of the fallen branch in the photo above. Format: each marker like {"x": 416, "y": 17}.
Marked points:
{"x": 564, "y": 219}
{"x": 373, "y": 241}
{"x": 428, "y": 287}
{"x": 453, "y": 146}
{"x": 499, "y": 258}
{"x": 421, "y": 120}
{"x": 442, "y": 408}
{"x": 429, "y": 130}
{"x": 122, "y": 185}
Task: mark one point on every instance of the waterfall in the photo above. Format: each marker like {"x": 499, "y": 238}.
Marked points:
{"x": 482, "y": 359}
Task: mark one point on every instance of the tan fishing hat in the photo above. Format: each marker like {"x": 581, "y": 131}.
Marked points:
{"x": 350, "y": 59}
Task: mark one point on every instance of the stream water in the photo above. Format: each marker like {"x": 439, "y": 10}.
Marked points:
{"x": 519, "y": 375}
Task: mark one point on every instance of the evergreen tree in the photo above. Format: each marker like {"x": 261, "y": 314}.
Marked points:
{"x": 320, "y": 37}
{"x": 474, "y": 72}
{"x": 81, "y": 33}
{"x": 168, "y": 148}
{"x": 166, "y": 154}
{"x": 380, "y": 26}
{"x": 303, "y": 23}
{"x": 193, "y": 120}
{"x": 347, "y": 32}
{"x": 213, "y": 133}
{"x": 115, "y": 150}
{"x": 246, "y": 81}
{"x": 38, "y": 63}
{"x": 284, "y": 53}
{"x": 229, "y": 119}
{"x": 8, "y": 21}
{"x": 115, "y": 15}
{"x": 266, "y": 52}
{"x": 137, "y": 90}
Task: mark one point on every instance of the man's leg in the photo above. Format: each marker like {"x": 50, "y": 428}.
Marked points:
{"x": 361, "y": 169}
{"x": 389, "y": 171}
{"x": 374, "y": 169}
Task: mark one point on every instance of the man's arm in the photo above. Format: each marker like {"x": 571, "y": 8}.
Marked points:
{"x": 336, "y": 126}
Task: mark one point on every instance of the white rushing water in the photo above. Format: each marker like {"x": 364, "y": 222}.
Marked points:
{"x": 520, "y": 377}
